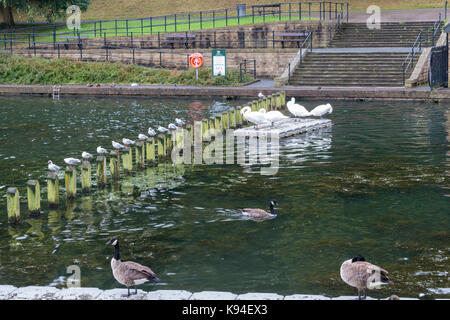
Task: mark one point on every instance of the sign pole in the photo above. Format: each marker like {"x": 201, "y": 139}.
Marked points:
{"x": 196, "y": 74}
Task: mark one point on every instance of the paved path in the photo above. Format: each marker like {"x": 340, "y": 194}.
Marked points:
{"x": 405, "y": 15}
{"x": 8, "y": 292}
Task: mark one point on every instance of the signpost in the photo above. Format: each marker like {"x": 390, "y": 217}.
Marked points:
{"x": 219, "y": 62}
{"x": 196, "y": 61}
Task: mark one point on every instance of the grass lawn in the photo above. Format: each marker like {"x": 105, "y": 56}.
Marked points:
{"x": 20, "y": 70}
{"x": 144, "y": 26}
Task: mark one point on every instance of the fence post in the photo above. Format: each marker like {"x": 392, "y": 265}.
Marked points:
{"x": 254, "y": 68}
{"x": 115, "y": 24}
{"x": 201, "y": 20}
{"x": 11, "y": 42}
{"x": 289, "y": 11}
{"x": 95, "y": 29}
{"x": 347, "y": 12}
{"x": 59, "y": 53}
{"x": 189, "y": 21}
{"x": 151, "y": 25}
{"x": 142, "y": 26}
{"x": 126, "y": 24}
{"x": 214, "y": 19}
{"x": 131, "y": 38}
{"x": 54, "y": 36}
{"x": 175, "y": 16}
{"x": 165, "y": 23}
{"x": 226, "y": 17}
{"x": 160, "y": 59}
{"x": 253, "y": 14}
{"x": 133, "y": 56}
{"x": 100, "y": 30}
{"x": 299, "y": 11}
{"x": 289, "y": 73}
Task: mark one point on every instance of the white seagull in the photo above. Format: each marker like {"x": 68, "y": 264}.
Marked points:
{"x": 321, "y": 110}
{"x": 296, "y": 109}
{"x": 179, "y": 122}
{"x": 86, "y": 155}
{"x": 151, "y": 132}
{"x": 273, "y": 116}
{"x": 117, "y": 145}
{"x": 162, "y": 129}
{"x": 53, "y": 167}
{"x": 261, "y": 96}
{"x": 142, "y": 137}
{"x": 171, "y": 126}
{"x": 71, "y": 161}
{"x": 253, "y": 116}
{"x": 127, "y": 142}
{"x": 101, "y": 150}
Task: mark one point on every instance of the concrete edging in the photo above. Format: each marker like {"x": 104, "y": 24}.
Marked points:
{"x": 8, "y": 292}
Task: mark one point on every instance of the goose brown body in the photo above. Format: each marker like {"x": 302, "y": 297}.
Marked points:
{"x": 363, "y": 275}
{"x": 260, "y": 213}
{"x": 129, "y": 273}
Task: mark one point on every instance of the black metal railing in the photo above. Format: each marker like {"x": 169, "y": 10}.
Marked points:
{"x": 319, "y": 10}
{"x": 247, "y": 67}
{"x": 307, "y": 44}
{"x": 427, "y": 37}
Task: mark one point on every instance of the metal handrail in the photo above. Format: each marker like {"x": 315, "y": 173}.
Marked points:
{"x": 309, "y": 39}
{"x": 411, "y": 55}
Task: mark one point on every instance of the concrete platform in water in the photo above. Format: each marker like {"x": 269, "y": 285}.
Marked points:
{"x": 285, "y": 128}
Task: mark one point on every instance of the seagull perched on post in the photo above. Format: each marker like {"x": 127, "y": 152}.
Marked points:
{"x": 85, "y": 155}
{"x": 127, "y": 142}
{"x": 151, "y": 132}
{"x": 179, "y": 122}
{"x": 162, "y": 129}
{"x": 71, "y": 162}
{"x": 261, "y": 96}
{"x": 117, "y": 146}
{"x": 53, "y": 167}
{"x": 171, "y": 126}
{"x": 101, "y": 150}
{"x": 142, "y": 137}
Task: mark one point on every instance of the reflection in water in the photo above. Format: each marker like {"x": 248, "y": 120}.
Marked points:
{"x": 447, "y": 128}
{"x": 373, "y": 185}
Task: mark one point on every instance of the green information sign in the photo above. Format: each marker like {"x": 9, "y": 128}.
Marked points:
{"x": 219, "y": 62}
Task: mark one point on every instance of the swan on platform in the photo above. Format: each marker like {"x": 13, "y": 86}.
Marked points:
{"x": 321, "y": 110}
{"x": 296, "y": 109}
{"x": 254, "y": 117}
{"x": 273, "y": 116}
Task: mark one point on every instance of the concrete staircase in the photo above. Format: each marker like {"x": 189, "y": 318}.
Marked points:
{"x": 391, "y": 34}
{"x": 325, "y": 68}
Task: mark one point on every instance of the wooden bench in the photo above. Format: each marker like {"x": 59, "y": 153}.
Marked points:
{"x": 261, "y": 9}
{"x": 300, "y": 36}
{"x": 171, "y": 39}
{"x": 66, "y": 44}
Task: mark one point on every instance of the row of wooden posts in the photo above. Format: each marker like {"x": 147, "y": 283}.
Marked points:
{"x": 144, "y": 153}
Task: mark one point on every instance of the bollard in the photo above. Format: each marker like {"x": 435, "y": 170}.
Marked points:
{"x": 254, "y": 105}
{"x": 272, "y": 102}
{"x": 127, "y": 160}
{"x": 13, "y": 205}
{"x": 238, "y": 117}
{"x": 86, "y": 179}
{"x": 52, "y": 191}
{"x": 190, "y": 131}
{"x": 264, "y": 104}
{"x": 150, "y": 151}
{"x": 161, "y": 146}
{"x": 34, "y": 197}
{"x": 71, "y": 183}
{"x": 101, "y": 171}
{"x": 114, "y": 165}
{"x": 283, "y": 98}
{"x": 140, "y": 151}
{"x": 169, "y": 142}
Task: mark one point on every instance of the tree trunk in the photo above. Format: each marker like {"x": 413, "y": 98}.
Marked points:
{"x": 7, "y": 14}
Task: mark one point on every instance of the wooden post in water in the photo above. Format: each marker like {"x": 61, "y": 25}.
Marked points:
{"x": 232, "y": 118}
{"x": 161, "y": 140}
{"x": 34, "y": 197}
{"x": 114, "y": 165}
{"x": 101, "y": 171}
{"x": 238, "y": 117}
{"x": 86, "y": 178}
{"x": 127, "y": 160}
{"x": 278, "y": 101}
{"x": 283, "y": 99}
{"x": 150, "y": 151}
{"x": 52, "y": 191}
{"x": 264, "y": 104}
{"x": 139, "y": 155}
{"x": 205, "y": 133}
{"x": 71, "y": 183}
{"x": 13, "y": 205}
{"x": 169, "y": 142}
{"x": 190, "y": 131}
{"x": 273, "y": 104}
{"x": 225, "y": 121}
{"x": 218, "y": 125}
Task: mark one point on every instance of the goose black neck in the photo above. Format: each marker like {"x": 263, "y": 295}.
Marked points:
{"x": 116, "y": 251}
{"x": 272, "y": 210}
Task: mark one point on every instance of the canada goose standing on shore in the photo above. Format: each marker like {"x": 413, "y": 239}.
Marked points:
{"x": 362, "y": 275}
{"x": 260, "y": 213}
{"x": 129, "y": 273}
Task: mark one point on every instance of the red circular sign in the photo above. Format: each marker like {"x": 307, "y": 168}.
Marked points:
{"x": 196, "y": 60}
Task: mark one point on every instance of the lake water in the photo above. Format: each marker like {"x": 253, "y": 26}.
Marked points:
{"x": 376, "y": 184}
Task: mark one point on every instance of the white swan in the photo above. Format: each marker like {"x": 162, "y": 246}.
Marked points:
{"x": 253, "y": 116}
{"x": 296, "y": 109}
{"x": 321, "y": 110}
{"x": 273, "y": 116}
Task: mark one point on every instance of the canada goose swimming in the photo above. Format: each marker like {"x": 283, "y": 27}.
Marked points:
{"x": 359, "y": 273}
{"x": 260, "y": 213}
{"x": 129, "y": 273}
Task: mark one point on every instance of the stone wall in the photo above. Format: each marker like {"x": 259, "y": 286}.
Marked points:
{"x": 269, "y": 62}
